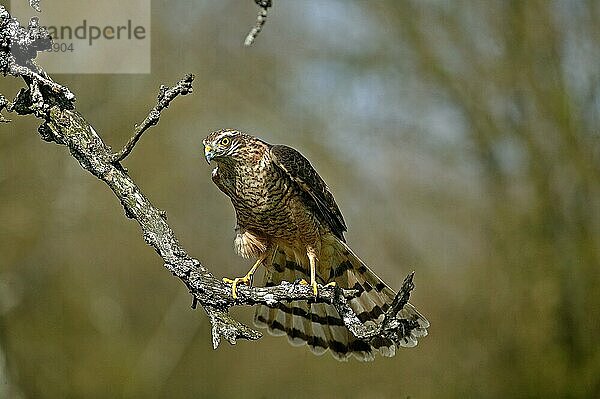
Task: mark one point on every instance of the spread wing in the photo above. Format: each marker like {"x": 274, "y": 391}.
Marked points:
{"x": 299, "y": 169}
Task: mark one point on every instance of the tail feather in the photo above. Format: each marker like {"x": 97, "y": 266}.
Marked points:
{"x": 295, "y": 329}
{"x": 375, "y": 298}
{"x": 319, "y": 325}
{"x": 315, "y": 330}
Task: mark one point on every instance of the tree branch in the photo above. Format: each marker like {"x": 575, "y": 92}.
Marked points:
{"x": 35, "y": 4}
{"x": 261, "y": 18}
{"x": 165, "y": 96}
{"x": 3, "y": 105}
{"x": 64, "y": 125}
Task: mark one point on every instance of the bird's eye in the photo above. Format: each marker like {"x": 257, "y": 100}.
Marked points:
{"x": 225, "y": 141}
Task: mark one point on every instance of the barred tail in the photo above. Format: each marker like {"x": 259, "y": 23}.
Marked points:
{"x": 319, "y": 325}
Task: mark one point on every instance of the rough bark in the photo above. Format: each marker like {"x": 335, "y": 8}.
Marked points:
{"x": 261, "y": 18}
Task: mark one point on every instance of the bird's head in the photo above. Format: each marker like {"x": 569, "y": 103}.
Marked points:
{"x": 224, "y": 144}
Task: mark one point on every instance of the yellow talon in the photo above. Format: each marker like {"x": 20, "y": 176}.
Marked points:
{"x": 314, "y": 285}
{"x": 247, "y": 279}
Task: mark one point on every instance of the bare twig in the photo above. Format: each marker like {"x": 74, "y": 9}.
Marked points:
{"x": 63, "y": 124}
{"x": 261, "y": 18}
{"x": 25, "y": 72}
{"x": 35, "y": 4}
{"x": 164, "y": 98}
{"x": 3, "y": 105}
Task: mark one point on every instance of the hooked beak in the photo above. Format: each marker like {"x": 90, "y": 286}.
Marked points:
{"x": 208, "y": 153}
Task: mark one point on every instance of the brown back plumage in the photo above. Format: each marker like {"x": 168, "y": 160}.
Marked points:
{"x": 301, "y": 172}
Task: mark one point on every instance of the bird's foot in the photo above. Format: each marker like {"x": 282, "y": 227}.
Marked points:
{"x": 247, "y": 279}
{"x": 313, "y": 284}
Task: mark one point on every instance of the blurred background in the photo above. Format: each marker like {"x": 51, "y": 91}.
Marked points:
{"x": 461, "y": 140}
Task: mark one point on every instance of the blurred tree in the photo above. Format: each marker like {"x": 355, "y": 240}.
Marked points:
{"x": 524, "y": 77}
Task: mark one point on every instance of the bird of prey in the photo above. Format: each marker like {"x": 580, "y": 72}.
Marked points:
{"x": 288, "y": 220}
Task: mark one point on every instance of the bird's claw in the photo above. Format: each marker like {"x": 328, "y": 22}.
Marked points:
{"x": 234, "y": 283}
{"x": 313, "y": 285}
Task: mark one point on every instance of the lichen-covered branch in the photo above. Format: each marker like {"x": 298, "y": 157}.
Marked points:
{"x": 165, "y": 96}
{"x": 3, "y": 104}
{"x": 35, "y": 4}
{"x": 261, "y": 18}
{"x": 54, "y": 105}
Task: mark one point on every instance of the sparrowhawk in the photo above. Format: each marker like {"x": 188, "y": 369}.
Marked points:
{"x": 289, "y": 221}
